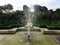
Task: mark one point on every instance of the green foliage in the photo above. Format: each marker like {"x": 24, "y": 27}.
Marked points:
{"x": 53, "y": 27}
{"x": 47, "y": 19}
{"x": 11, "y": 20}
{"x": 6, "y": 8}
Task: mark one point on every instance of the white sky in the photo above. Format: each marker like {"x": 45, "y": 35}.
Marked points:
{"x": 18, "y": 4}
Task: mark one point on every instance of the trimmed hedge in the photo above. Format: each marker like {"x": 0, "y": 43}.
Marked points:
{"x": 10, "y": 26}
{"x": 53, "y": 27}
{"x": 50, "y": 27}
{"x": 11, "y": 20}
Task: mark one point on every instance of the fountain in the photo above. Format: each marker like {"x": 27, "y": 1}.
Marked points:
{"x": 28, "y": 14}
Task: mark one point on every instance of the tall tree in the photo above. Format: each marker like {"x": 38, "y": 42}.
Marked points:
{"x": 9, "y": 7}
{"x": 1, "y": 8}
{"x": 57, "y": 10}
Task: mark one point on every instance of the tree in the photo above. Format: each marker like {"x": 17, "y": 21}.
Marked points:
{"x": 6, "y": 8}
{"x": 1, "y": 9}
{"x": 37, "y": 7}
{"x": 57, "y": 10}
{"x": 51, "y": 10}
{"x": 25, "y": 9}
{"x": 9, "y": 7}
{"x": 44, "y": 8}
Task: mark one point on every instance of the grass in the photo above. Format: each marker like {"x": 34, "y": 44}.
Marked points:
{"x": 37, "y": 38}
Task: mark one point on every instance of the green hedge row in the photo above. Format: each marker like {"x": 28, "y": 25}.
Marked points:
{"x": 11, "y": 26}
{"x": 50, "y": 27}
{"x": 12, "y": 19}
{"x": 53, "y": 27}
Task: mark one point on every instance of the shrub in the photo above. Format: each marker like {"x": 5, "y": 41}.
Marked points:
{"x": 53, "y": 27}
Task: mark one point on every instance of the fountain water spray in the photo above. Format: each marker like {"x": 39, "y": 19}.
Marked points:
{"x": 28, "y": 14}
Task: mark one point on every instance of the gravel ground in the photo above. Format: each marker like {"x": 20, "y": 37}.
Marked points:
{"x": 20, "y": 38}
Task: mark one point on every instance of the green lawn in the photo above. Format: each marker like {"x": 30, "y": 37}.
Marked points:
{"x": 37, "y": 38}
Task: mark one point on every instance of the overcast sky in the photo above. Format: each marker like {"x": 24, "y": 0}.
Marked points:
{"x": 18, "y": 4}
